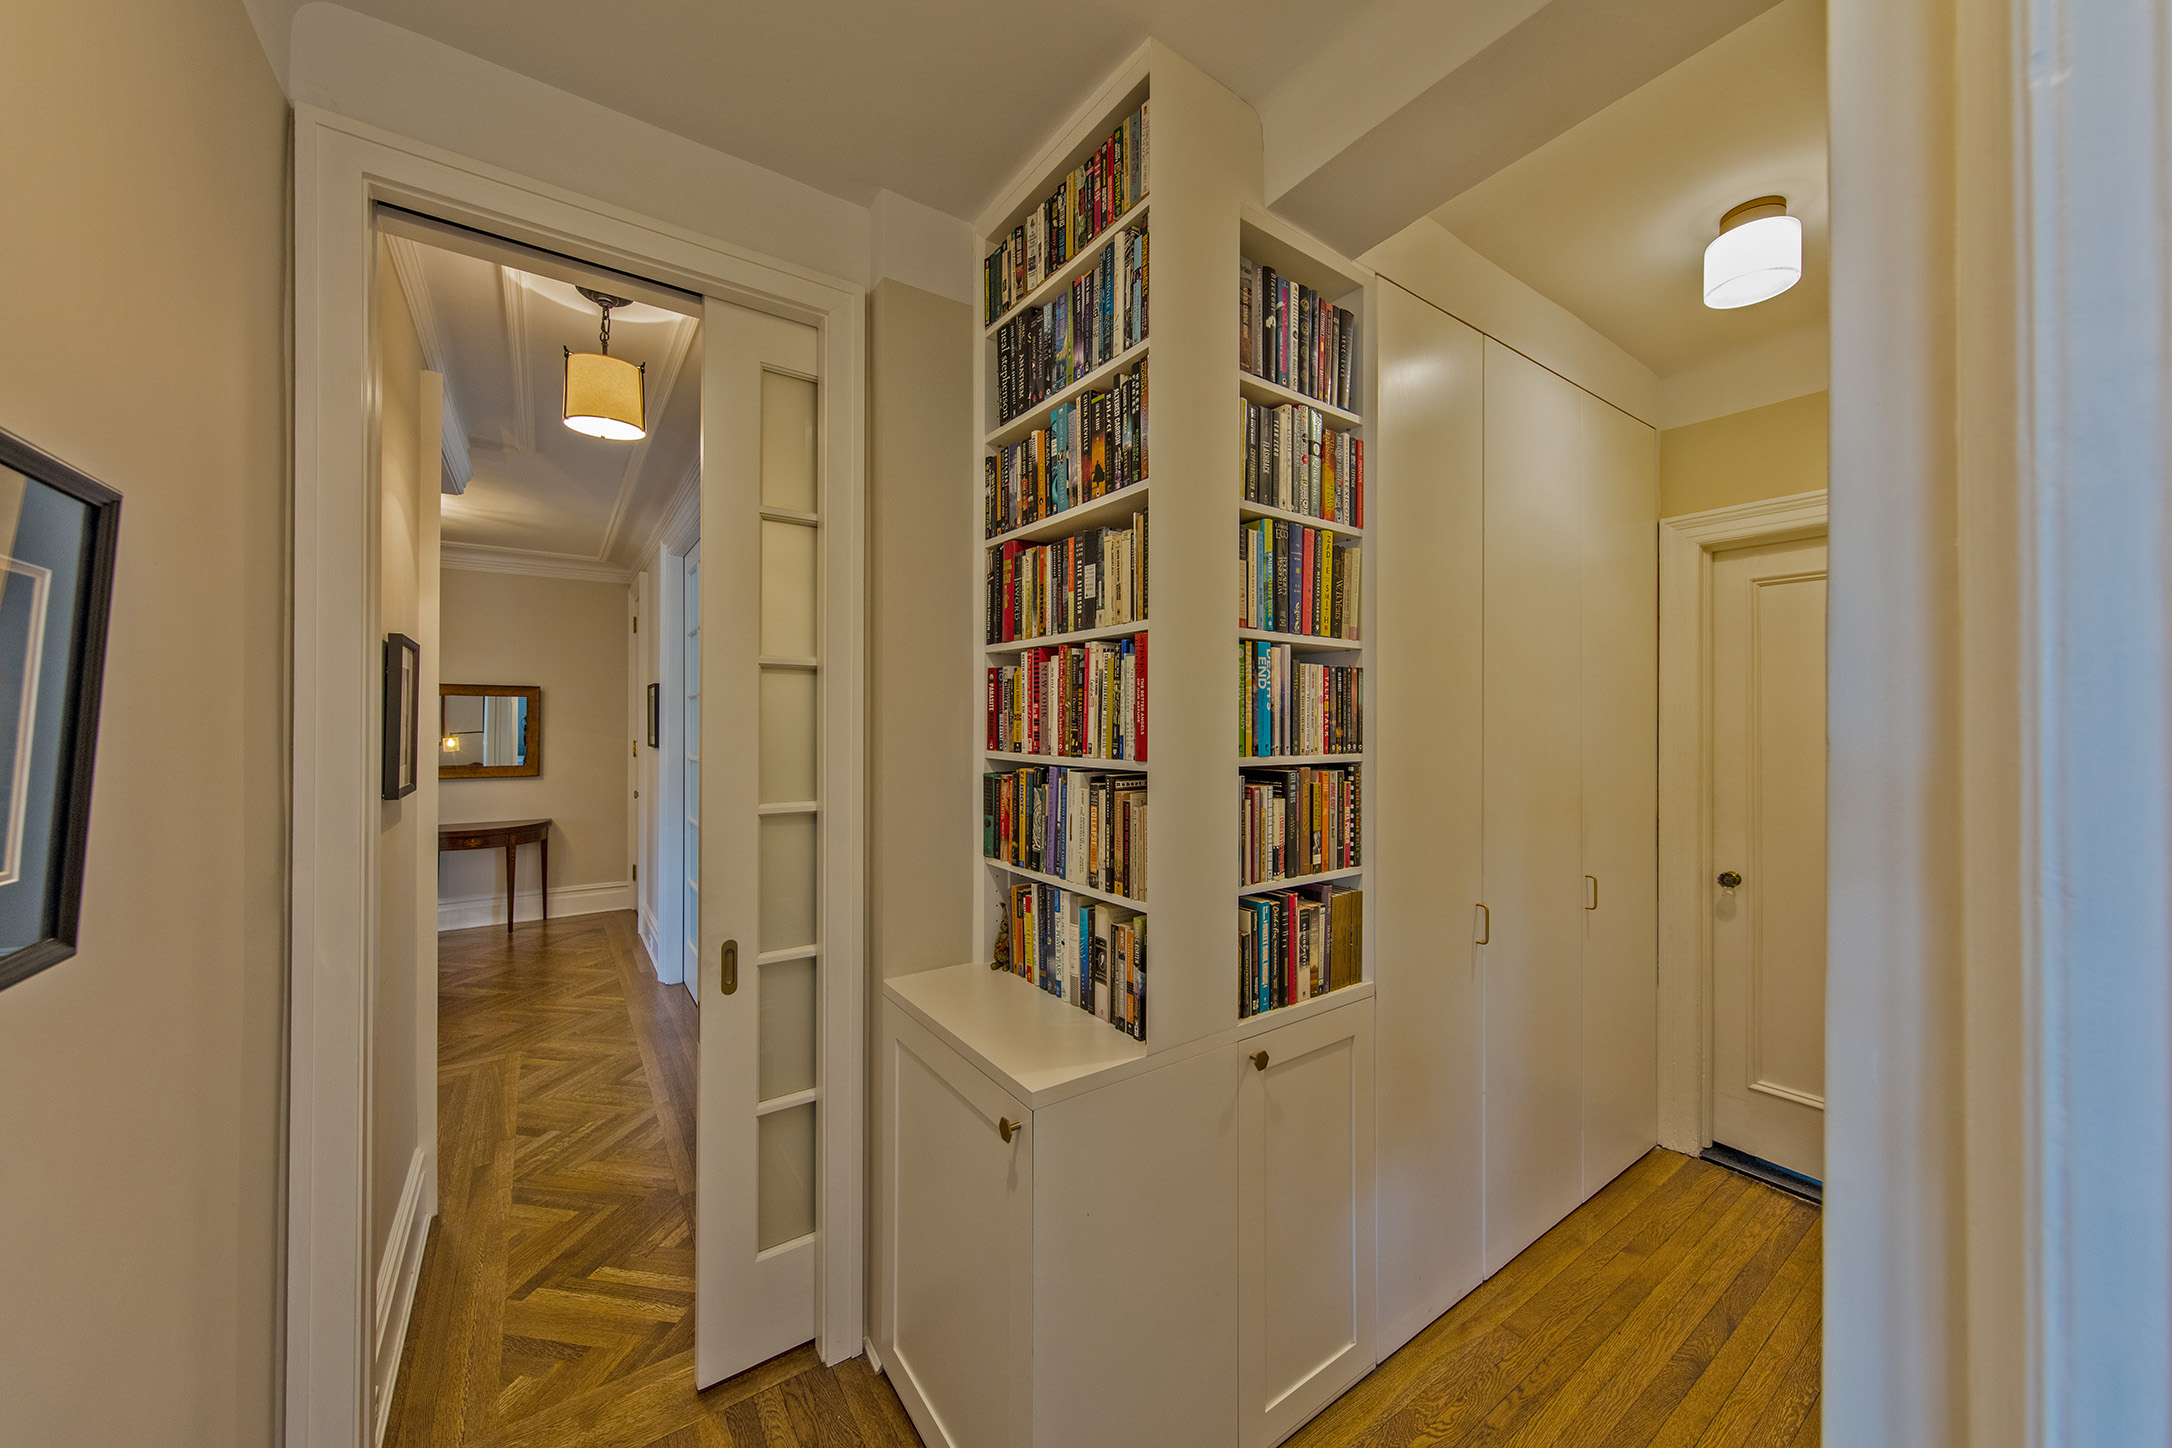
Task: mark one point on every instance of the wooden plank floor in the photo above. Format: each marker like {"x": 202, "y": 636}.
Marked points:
{"x": 556, "y": 1308}
{"x": 1680, "y": 1306}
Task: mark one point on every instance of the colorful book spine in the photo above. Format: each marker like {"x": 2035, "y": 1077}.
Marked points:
{"x": 1072, "y": 701}
{"x": 1094, "y": 579}
{"x": 1288, "y": 705}
{"x": 1293, "y": 459}
{"x": 1295, "y": 579}
{"x": 1293, "y": 336}
{"x": 1086, "y": 827}
{"x": 1102, "y": 314}
{"x": 1295, "y": 945}
{"x": 1298, "y": 822}
{"x": 1093, "y": 445}
{"x": 1096, "y": 193}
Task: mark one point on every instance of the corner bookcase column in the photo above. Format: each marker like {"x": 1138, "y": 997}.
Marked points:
{"x": 1205, "y": 148}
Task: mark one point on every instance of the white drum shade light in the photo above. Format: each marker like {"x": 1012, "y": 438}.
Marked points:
{"x": 1756, "y": 256}
{"x": 603, "y": 393}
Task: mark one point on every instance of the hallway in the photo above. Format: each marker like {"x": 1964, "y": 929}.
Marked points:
{"x": 556, "y": 1303}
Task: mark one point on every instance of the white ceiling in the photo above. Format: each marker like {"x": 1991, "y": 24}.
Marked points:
{"x": 1610, "y": 218}
{"x": 498, "y": 334}
{"x": 936, "y": 102}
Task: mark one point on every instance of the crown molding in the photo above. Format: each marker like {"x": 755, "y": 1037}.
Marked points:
{"x": 479, "y": 558}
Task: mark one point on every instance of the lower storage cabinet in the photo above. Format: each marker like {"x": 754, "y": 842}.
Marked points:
{"x": 1174, "y": 1249}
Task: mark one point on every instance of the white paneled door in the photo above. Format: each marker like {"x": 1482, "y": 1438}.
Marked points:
{"x": 758, "y": 954}
{"x": 1768, "y": 853}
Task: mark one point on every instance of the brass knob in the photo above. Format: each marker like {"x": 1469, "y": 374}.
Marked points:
{"x": 1259, "y": 1060}
{"x": 1008, "y": 1127}
{"x": 1729, "y": 879}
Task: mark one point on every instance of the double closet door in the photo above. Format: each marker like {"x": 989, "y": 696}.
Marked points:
{"x": 1570, "y": 797}
{"x": 1517, "y": 743}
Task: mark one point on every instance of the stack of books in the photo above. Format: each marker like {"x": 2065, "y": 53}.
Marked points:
{"x": 1288, "y": 706}
{"x": 1091, "y": 199}
{"x": 1045, "y": 349}
{"x": 1093, "y": 579}
{"x": 1291, "y": 335}
{"x": 1298, "y": 944}
{"x": 1298, "y": 580}
{"x": 1298, "y": 822}
{"x": 1083, "y": 826}
{"x": 1078, "y": 950}
{"x": 1077, "y": 701}
{"x": 1093, "y": 445}
{"x": 1294, "y": 461}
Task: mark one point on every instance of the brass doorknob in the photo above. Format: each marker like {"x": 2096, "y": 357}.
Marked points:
{"x": 1259, "y": 1060}
{"x": 1729, "y": 879}
{"x": 1008, "y": 1127}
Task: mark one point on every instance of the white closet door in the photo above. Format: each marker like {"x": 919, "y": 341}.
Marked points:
{"x": 1534, "y": 877}
{"x": 1426, "y": 722}
{"x": 1620, "y": 476}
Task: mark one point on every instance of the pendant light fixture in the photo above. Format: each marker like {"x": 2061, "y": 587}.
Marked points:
{"x": 603, "y": 393}
{"x": 1756, "y": 256}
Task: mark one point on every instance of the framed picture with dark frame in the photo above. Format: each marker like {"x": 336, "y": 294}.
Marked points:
{"x": 656, "y": 716}
{"x": 59, "y": 538}
{"x": 403, "y": 707}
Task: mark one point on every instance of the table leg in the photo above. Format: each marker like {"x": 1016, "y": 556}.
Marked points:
{"x": 545, "y": 844}
{"x": 512, "y": 855}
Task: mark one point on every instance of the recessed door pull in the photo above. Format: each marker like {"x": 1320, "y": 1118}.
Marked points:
{"x": 728, "y": 970}
{"x": 1593, "y": 902}
{"x": 1485, "y": 926}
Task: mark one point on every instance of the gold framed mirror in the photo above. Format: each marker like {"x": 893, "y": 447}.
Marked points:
{"x": 489, "y": 731}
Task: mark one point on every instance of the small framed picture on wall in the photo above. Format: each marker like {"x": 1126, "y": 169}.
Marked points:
{"x": 403, "y": 676}
{"x": 656, "y": 716}
{"x": 59, "y": 536}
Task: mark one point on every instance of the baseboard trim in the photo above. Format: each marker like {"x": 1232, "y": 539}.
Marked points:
{"x": 465, "y": 912}
{"x": 398, "y": 1277}
{"x": 1772, "y": 1174}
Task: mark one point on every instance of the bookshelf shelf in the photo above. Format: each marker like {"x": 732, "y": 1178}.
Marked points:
{"x": 1068, "y": 761}
{"x": 1036, "y": 416}
{"x": 1096, "y": 512}
{"x": 1077, "y": 636}
{"x": 1106, "y": 897}
{"x": 1274, "y": 394}
{"x": 1298, "y": 882}
{"x": 1303, "y": 641}
{"x": 1248, "y": 510}
{"x": 1073, "y": 269}
{"x": 1294, "y": 761}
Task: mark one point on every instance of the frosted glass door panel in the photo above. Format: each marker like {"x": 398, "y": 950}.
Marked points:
{"x": 788, "y": 736}
{"x": 788, "y": 590}
{"x": 786, "y": 1206}
{"x": 788, "y": 881}
{"x": 788, "y": 442}
{"x": 788, "y": 1028}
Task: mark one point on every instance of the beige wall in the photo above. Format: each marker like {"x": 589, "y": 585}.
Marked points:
{"x": 1766, "y": 452}
{"x": 403, "y": 1039}
{"x": 572, "y": 638}
{"x": 922, "y": 606}
{"x": 141, "y": 1137}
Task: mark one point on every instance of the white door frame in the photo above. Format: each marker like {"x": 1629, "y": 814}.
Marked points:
{"x": 341, "y": 167}
{"x": 1686, "y": 546}
{"x": 669, "y": 841}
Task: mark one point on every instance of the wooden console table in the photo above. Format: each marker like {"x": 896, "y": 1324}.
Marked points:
{"x": 508, "y": 835}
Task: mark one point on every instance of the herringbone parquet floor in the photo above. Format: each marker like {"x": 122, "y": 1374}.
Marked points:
{"x": 556, "y": 1308}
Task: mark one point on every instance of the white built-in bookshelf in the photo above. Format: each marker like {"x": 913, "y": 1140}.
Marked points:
{"x": 1019, "y": 1118}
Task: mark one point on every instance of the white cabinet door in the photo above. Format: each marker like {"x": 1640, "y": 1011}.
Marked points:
{"x": 1425, "y": 873}
{"x": 1534, "y": 876}
{"x": 1304, "y": 1220}
{"x": 1620, "y": 475}
{"x": 961, "y": 1252}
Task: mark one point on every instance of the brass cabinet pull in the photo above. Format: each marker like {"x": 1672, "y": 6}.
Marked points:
{"x": 728, "y": 973}
{"x": 1259, "y": 1060}
{"x": 1594, "y": 879}
{"x": 1485, "y": 925}
{"x": 1008, "y": 1127}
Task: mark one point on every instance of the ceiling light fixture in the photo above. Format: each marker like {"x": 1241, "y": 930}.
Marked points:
{"x": 1757, "y": 255}
{"x": 603, "y": 393}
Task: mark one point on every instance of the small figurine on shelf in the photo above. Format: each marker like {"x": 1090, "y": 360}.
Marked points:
{"x": 1002, "y": 958}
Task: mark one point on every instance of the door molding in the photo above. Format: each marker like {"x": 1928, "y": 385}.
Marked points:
{"x": 1686, "y": 545}
{"x": 341, "y": 168}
